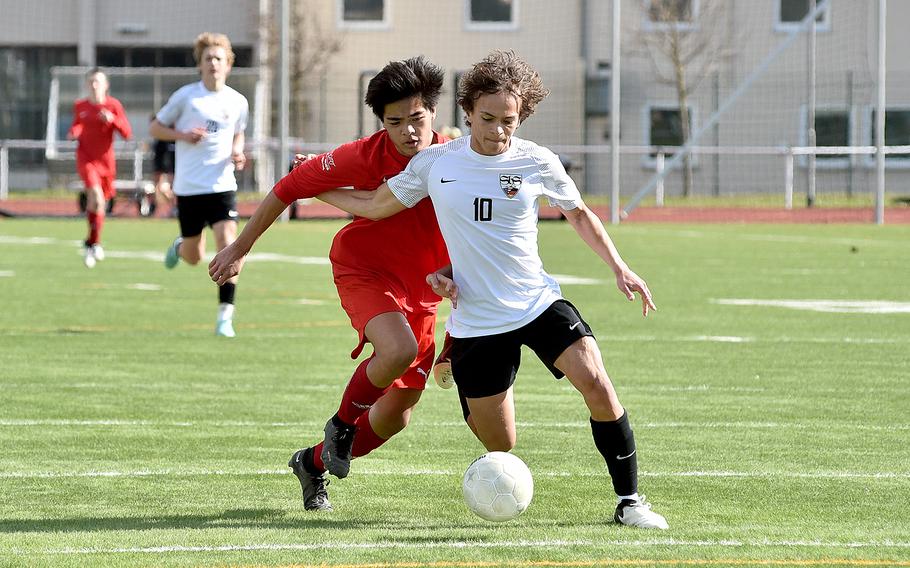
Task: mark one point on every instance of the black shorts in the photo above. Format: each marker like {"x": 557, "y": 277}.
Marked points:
{"x": 487, "y": 365}
{"x": 164, "y": 157}
{"x": 197, "y": 211}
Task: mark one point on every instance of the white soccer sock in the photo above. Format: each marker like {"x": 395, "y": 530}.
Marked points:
{"x": 632, "y": 497}
{"x": 225, "y": 312}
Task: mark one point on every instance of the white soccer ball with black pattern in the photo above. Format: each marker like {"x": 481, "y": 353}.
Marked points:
{"x": 498, "y": 486}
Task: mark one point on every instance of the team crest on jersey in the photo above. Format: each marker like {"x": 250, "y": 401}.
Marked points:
{"x": 328, "y": 162}
{"x": 510, "y": 184}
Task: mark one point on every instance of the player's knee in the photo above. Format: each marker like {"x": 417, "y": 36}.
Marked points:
{"x": 500, "y": 443}
{"x": 399, "y": 422}
{"x": 190, "y": 255}
{"x": 400, "y": 357}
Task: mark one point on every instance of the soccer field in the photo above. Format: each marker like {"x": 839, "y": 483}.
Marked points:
{"x": 770, "y": 396}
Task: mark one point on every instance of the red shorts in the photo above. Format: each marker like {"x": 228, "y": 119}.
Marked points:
{"x": 97, "y": 175}
{"x": 363, "y": 300}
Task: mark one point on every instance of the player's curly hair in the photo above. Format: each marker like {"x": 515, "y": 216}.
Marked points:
{"x": 502, "y": 72}
{"x": 414, "y": 77}
{"x": 211, "y": 39}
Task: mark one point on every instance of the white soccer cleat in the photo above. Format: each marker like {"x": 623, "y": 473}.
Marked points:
{"x": 98, "y": 252}
{"x": 88, "y": 257}
{"x": 639, "y": 514}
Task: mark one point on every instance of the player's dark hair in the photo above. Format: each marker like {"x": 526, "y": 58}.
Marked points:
{"x": 502, "y": 72}
{"x": 414, "y": 77}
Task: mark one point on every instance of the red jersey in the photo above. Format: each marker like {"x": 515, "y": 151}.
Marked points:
{"x": 398, "y": 251}
{"x": 95, "y": 135}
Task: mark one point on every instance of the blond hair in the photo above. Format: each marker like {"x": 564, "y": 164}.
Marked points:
{"x": 210, "y": 39}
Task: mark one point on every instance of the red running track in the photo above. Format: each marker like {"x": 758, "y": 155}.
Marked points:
{"x": 318, "y": 210}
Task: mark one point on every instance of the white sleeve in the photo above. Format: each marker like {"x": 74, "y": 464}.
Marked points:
{"x": 559, "y": 188}
{"x": 410, "y": 186}
{"x": 171, "y": 110}
{"x": 244, "y": 115}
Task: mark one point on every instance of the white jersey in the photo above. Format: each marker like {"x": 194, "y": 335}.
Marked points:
{"x": 487, "y": 208}
{"x": 205, "y": 167}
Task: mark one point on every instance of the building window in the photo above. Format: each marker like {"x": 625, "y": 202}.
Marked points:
{"x": 897, "y": 133}
{"x": 118, "y": 56}
{"x": 663, "y": 127}
{"x": 832, "y": 128}
{"x": 669, "y": 14}
{"x": 491, "y": 14}
{"x": 363, "y": 14}
{"x": 458, "y": 116}
{"x": 25, "y": 80}
{"x": 789, "y": 14}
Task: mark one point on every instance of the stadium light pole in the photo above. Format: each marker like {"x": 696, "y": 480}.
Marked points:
{"x": 614, "y": 114}
{"x": 880, "y": 116}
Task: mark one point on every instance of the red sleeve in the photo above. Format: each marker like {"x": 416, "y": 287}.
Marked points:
{"x": 342, "y": 167}
{"x": 120, "y": 121}
{"x": 76, "y": 128}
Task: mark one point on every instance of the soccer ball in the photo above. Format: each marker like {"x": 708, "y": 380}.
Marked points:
{"x": 498, "y": 486}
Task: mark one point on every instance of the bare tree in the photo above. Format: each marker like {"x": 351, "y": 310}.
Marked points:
{"x": 312, "y": 45}
{"x": 685, "y": 40}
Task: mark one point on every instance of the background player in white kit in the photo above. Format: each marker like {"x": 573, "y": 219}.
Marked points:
{"x": 485, "y": 191}
{"x": 207, "y": 119}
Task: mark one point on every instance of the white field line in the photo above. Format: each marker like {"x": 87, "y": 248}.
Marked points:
{"x": 566, "y": 279}
{"x": 7, "y": 273}
{"x": 467, "y": 545}
{"x": 775, "y": 238}
{"x": 158, "y": 256}
{"x": 67, "y": 423}
{"x": 405, "y": 471}
{"x": 824, "y": 306}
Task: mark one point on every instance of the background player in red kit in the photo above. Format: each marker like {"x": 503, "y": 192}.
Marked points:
{"x": 379, "y": 269}
{"x": 95, "y": 119}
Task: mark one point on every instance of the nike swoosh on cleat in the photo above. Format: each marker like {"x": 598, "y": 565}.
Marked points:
{"x": 444, "y": 180}
{"x": 626, "y": 457}
{"x": 574, "y": 325}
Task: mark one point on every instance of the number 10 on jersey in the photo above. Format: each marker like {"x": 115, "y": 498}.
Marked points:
{"x": 483, "y": 209}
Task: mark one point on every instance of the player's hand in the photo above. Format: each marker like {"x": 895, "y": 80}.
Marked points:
{"x": 193, "y": 136}
{"x": 239, "y": 159}
{"x": 301, "y": 158}
{"x": 226, "y": 264}
{"x": 106, "y": 115}
{"x": 444, "y": 287}
{"x": 628, "y": 283}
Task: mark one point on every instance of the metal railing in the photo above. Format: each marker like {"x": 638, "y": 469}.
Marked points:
{"x": 267, "y": 150}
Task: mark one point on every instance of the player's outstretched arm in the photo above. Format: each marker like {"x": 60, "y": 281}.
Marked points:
{"x": 229, "y": 262}
{"x": 591, "y": 230}
{"x": 373, "y": 205}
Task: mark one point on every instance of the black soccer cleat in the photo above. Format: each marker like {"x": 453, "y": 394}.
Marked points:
{"x": 315, "y": 497}
{"x": 336, "y": 448}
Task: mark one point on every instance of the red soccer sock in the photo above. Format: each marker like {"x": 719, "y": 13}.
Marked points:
{"x": 359, "y": 395}
{"x": 365, "y": 441}
{"x": 317, "y": 456}
{"x": 95, "y": 223}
